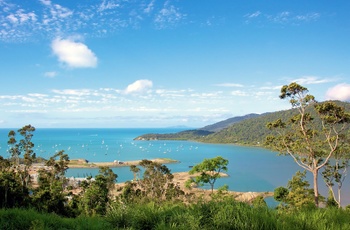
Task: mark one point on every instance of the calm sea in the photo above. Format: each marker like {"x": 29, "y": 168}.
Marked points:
{"x": 250, "y": 168}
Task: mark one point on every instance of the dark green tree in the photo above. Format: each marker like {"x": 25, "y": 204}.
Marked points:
{"x": 280, "y": 194}
{"x": 209, "y": 171}
{"x": 309, "y": 146}
{"x": 12, "y": 192}
{"x": 96, "y": 194}
{"x": 25, "y": 148}
{"x": 50, "y": 195}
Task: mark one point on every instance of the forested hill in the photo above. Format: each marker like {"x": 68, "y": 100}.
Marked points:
{"x": 247, "y": 130}
{"x": 228, "y": 122}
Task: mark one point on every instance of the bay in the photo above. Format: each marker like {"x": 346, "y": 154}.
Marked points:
{"x": 249, "y": 169}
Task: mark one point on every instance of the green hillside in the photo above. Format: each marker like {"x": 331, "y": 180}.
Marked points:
{"x": 245, "y": 130}
{"x": 228, "y": 122}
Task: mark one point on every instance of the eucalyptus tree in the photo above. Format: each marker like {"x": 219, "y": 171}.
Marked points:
{"x": 156, "y": 184}
{"x": 50, "y": 195}
{"x": 209, "y": 171}
{"x": 156, "y": 179}
{"x": 12, "y": 192}
{"x": 97, "y": 193}
{"x": 335, "y": 171}
{"x": 309, "y": 141}
{"x": 135, "y": 170}
{"x": 23, "y": 147}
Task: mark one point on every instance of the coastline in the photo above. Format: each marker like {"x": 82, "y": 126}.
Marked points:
{"x": 83, "y": 163}
{"x": 180, "y": 178}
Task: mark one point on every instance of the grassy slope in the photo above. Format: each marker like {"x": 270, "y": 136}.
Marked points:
{"x": 226, "y": 214}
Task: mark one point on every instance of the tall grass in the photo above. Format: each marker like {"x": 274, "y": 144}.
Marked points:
{"x": 13, "y": 219}
{"x": 227, "y": 214}
{"x": 223, "y": 214}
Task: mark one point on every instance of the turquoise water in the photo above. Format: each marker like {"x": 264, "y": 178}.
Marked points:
{"x": 249, "y": 169}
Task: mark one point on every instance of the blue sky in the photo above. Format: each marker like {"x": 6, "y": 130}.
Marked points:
{"x": 161, "y": 63}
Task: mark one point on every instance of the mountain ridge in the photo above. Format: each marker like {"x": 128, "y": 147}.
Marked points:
{"x": 249, "y": 129}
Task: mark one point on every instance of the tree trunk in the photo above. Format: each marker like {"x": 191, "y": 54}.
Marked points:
{"x": 315, "y": 174}
{"x": 339, "y": 196}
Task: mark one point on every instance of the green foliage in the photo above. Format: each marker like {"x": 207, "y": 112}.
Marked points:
{"x": 222, "y": 214}
{"x": 156, "y": 185}
{"x": 280, "y": 194}
{"x": 259, "y": 202}
{"x": 50, "y": 195}
{"x": 95, "y": 198}
{"x": 12, "y": 191}
{"x": 309, "y": 141}
{"x": 209, "y": 170}
{"x": 15, "y": 180}
{"x": 18, "y": 219}
{"x": 297, "y": 195}
{"x": 300, "y": 194}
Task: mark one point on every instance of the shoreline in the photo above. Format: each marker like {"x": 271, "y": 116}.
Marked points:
{"x": 180, "y": 178}
{"x": 83, "y": 163}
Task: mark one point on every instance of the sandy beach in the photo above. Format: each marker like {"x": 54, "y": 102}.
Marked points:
{"x": 82, "y": 163}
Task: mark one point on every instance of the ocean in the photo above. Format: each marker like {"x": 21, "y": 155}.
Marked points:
{"x": 249, "y": 169}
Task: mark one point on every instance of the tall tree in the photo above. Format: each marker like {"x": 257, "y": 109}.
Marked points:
{"x": 25, "y": 148}
{"x": 310, "y": 147}
{"x": 50, "y": 195}
{"x": 135, "y": 170}
{"x": 96, "y": 194}
{"x": 156, "y": 184}
{"x": 156, "y": 178}
{"x": 209, "y": 170}
{"x": 335, "y": 172}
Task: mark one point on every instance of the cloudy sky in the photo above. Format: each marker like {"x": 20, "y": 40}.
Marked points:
{"x": 161, "y": 63}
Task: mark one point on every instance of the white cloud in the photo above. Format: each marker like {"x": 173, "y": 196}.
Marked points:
{"x": 311, "y": 80}
{"x": 108, "y": 5}
{"x": 169, "y": 15}
{"x": 75, "y": 92}
{"x": 278, "y": 87}
{"x": 230, "y": 85}
{"x": 46, "y": 2}
{"x": 253, "y": 15}
{"x": 139, "y": 86}
{"x": 308, "y": 17}
{"x": 284, "y": 17}
{"x": 21, "y": 22}
{"x": 12, "y": 18}
{"x": 149, "y": 7}
{"x": 20, "y": 17}
{"x": 339, "y": 92}
{"x": 239, "y": 93}
{"x": 74, "y": 54}
{"x": 51, "y": 74}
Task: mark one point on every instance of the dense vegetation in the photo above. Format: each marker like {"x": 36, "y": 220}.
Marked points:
{"x": 216, "y": 214}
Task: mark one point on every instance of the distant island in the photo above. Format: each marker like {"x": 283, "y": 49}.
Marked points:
{"x": 248, "y": 130}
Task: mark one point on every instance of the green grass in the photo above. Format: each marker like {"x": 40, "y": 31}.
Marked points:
{"x": 226, "y": 214}
{"x": 12, "y": 219}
